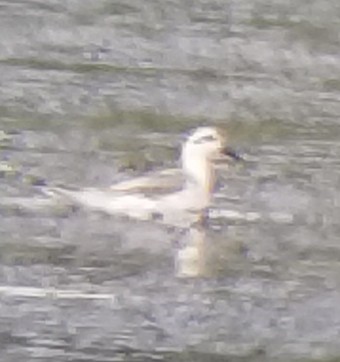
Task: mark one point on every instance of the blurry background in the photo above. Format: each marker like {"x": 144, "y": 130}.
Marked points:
{"x": 93, "y": 92}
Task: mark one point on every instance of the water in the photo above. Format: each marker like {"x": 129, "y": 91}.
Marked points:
{"x": 95, "y": 92}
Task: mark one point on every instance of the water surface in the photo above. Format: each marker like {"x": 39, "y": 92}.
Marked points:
{"x": 95, "y": 92}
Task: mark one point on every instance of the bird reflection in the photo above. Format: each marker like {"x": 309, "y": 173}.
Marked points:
{"x": 205, "y": 252}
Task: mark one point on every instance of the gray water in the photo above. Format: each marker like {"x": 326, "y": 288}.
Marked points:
{"x": 94, "y": 92}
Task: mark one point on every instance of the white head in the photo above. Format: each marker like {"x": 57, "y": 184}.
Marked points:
{"x": 204, "y": 142}
{"x": 202, "y": 147}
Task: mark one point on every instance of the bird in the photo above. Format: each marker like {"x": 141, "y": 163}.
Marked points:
{"x": 173, "y": 197}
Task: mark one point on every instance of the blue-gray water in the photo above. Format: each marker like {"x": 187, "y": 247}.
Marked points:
{"x": 93, "y": 92}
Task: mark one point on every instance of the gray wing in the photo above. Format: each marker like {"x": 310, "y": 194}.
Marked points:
{"x": 159, "y": 182}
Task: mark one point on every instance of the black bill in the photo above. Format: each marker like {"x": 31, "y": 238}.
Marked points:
{"x": 232, "y": 153}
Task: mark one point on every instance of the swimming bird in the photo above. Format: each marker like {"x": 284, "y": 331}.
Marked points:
{"x": 153, "y": 197}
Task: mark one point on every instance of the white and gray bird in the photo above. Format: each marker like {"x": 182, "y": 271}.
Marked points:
{"x": 153, "y": 196}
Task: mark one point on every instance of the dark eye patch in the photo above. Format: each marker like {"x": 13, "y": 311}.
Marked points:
{"x": 209, "y": 138}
